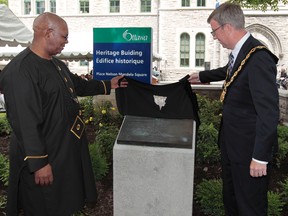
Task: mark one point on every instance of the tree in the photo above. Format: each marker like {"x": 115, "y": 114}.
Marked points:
{"x": 4, "y": 2}
{"x": 260, "y": 4}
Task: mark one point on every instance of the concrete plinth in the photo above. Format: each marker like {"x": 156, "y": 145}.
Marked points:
{"x": 153, "y": 181}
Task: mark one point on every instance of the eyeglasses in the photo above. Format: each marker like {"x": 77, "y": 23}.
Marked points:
{"x": 213, "y": 31}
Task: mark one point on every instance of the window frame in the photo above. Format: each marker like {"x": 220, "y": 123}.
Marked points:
{"x": 184, "y": 50}
{"x": 84, "y": 6}
{"x": 114, "y": 6}
{"x": 145, "y": 6}
{"x": 199, "y": 50}
{"x": 185, "y": 3}
{"x": 201, "y": 3}
{"x": 27, "y": 7}
{"x": 52, "y": 5}
{"x": 40, "y": 6}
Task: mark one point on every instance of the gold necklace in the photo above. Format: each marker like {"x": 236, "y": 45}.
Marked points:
{"x": 235, "y": 74}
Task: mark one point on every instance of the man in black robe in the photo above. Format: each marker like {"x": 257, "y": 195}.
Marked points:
{"x": 50, "y": 167}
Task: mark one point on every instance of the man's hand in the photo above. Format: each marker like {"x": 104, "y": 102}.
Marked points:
{"x": 258, "y": 169}
{"x": 44, "y": 176}
{"x": 116, "y": 84}
{"x": 194, "y": 78}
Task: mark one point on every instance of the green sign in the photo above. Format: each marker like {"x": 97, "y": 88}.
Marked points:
{"x": 122, "y": 51}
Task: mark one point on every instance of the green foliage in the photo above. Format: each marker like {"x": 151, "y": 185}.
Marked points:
{"x": 209, "y": 111}
{"x": 79, "y": 213}
{"x": 99, "y": 163}
{"x": 106, "y": 120}
{"x": 105, "y": 139}
{"x": 284, "y": 189}
{"x": 4, "y": 169}
{"x": 101, "y": 114}
{"x": 106, "y": 115}
{"x": 208, "y": 194}
{"x": 283, "y": 145}
{"x": 275, "y": 204}
{"x": 5, "y": 128}
{"x": 87, "y": 107}
{"x": 3, "y": 201}
{"x": 260, "y": 5}
{"x": 207, "y": 150}
{"x": 4, "y": 2}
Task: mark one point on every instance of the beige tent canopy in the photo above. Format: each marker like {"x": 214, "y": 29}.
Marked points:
{"x": 12, "y": 31}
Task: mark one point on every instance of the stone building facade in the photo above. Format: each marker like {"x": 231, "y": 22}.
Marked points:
{"x": 169, "y": 21}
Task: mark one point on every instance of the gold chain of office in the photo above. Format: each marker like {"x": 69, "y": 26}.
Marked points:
{"x": 235, "y": 74}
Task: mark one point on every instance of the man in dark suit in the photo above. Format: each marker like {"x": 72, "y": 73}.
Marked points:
{"x": 248, "y": 132}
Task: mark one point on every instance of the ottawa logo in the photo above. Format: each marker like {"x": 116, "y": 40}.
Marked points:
{"x": 134, "y": 37}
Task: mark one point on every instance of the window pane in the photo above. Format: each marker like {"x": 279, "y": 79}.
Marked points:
{"x": 145, "y": 5}
{"x": 83, "y": 62}
{"x": 184, "y": 50}
{"x": 84, "y": 6}
{"x": 200, "y": 50}
{"x": 185, "y": 3}
{"x": 53, "y": 6}
{"x": 40, "y": 6}
{"x": 114, "y": 6}
{"x": 201, "y": 3}
{"x": 27, "y": 7}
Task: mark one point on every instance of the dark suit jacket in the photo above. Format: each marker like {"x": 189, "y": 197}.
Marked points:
{"x": 251, "y": 106}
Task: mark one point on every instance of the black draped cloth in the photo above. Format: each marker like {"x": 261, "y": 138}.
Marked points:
{"x": 171, "y": 101}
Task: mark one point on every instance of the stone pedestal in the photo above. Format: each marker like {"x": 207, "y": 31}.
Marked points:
{"x": 152, "y": 178}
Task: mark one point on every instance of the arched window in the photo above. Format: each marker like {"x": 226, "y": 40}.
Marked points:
{"x": 200, "y": 50}
{"x": 184, "y": 50}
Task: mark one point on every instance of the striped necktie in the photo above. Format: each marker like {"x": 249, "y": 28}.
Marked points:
{"x": 230, "y": 64}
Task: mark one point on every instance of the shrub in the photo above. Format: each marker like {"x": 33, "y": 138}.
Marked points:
{"x": 207, "y": 150}
{"x": 283, "y": 145}
{"x": 209, "y": 111}
{"x": 106, "y": 115}
{"x": 209, "y": 195}
{"x": 275, "y": 204}
{"x": 4, "y": 169}
{"x": 105, "y": 139}
{"x": 3, "y": 201}
{"x": 284, "y": 189}
{"x": 99, "y": 163}
{"x": 87, "y": 107}
{"x": 5, "y": 128}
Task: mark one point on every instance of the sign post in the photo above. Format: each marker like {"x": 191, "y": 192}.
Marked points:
{"x": 122, "y": 51}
